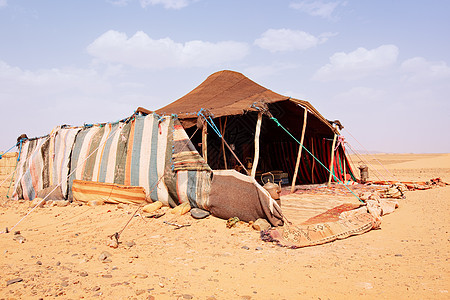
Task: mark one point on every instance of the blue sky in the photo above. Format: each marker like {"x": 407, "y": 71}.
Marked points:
{"x": 381, "y": 67}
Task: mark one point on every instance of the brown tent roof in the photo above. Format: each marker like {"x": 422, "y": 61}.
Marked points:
{"x": 228, "y": 93}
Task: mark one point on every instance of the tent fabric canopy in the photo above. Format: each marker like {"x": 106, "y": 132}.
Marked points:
{"x": 226, "y": 93}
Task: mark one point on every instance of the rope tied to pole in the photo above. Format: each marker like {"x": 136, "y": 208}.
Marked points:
{"x": 210, "y": 121}
{"x": 335, "y": 177}
{"x": 217, "y": 131}
{"x": 1, "y": 155}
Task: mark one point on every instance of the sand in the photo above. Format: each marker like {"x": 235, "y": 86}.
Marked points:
{"x": 64, "y": 255}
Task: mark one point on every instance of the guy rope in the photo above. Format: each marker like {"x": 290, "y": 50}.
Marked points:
{"x": 335, "y": 177}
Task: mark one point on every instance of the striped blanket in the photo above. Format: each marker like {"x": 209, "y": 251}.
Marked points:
{"x": 148, "y": 151}
{"x": 86, "y": 191}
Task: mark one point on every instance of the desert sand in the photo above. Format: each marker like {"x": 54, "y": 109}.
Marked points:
{"x": 65, "y": 252}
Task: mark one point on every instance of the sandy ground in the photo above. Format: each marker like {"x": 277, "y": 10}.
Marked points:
{"x": 408, "y": 258}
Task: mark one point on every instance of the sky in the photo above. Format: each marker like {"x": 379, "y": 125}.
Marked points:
{"x": 381, "y": 67}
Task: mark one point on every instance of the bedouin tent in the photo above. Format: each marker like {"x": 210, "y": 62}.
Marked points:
{"x": 236, "y": 105}
{"x": 154, "y": 151}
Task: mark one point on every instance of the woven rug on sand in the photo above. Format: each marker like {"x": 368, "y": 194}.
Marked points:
{"x": 292, "y": 236}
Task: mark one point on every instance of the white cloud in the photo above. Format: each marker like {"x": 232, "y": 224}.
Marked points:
{"x": 279, "y": 40}
{"x": 141, "y": 51}
{"x": 48, "y": 81}
{"x": 3, "y": 3}
{"x": 357, "y": 64}
{"x": 48, "y": 97}
{"x": 35, "y": 101}
{"x": 317, "y": 8}
{"x": 418, "y": 69}
{"x": 168, "y": 4}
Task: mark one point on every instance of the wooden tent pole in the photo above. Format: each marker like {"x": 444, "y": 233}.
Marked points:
{"x": 332, "y": 159}
{"x": 220, "y": 130}
{"x": 345, "y": 165}
{"x": 204, "y": 141}
{"x": 313, "y": 161}
{"x": 235, "y": 156}
{"x": 297, "y": 165}
{"x": 223, "y": 144}
{"x": 257, "y": 133}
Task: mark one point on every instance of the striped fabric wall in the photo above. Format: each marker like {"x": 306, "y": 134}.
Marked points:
{"x": 132, "y": 153}
{"x": 193, "y": 181}
{"x": 44, "y": 162}
{"x": 148, "y": 151}
{"x": 30, "y": 168}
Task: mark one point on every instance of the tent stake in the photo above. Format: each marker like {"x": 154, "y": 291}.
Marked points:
{"x": 297, "y": 165}
{"x": 257, "y": 133}
{"x": 332, "y": 159}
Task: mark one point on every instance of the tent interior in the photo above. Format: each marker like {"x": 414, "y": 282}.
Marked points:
{"x": 278, "y": 151}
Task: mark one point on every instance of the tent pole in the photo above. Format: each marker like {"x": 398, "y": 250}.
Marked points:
{"x": 235, "y": 156}
{"x": 257, "y": 133}
{"x": 332, "y": 159}
{"x": 297, "y": 165}
{"x": 345, "y": 166}
{"x": 223, "y": 144}
{"x": 204, "y": 141}
{"x": 313, "y": 161}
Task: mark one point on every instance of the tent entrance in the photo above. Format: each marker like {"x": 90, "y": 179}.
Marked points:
{"x": 278, "y": 151}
